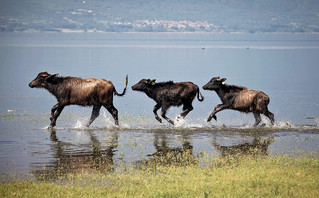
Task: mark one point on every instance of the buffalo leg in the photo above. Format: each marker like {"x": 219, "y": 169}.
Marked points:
{"x": 163, "y": 114}
{"x": 54, "y": 108}
{"x": 186, "y": 109}
{"x": 95, "y": 114}
{"x": 257, "y": 118}
{"x": 217, "y": 109}
{"x": 156, "y": 107}
{"x": 57, "y": 113}
{"x": 270, "y": 116}
{"x": 113, "y": 111}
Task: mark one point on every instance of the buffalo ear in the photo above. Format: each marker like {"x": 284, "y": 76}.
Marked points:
{"x": 44, "y": 74}
{"x": 153, "y": 82}
{"x": 223, "y": 81}
{"x": 52, "y": 79}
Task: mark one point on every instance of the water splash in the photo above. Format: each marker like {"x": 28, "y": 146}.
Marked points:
{"x": 46, "y": 128}
{"x": 182, "y": 123}
{"x": 283, "y": 125}
{"x": 142, "y": 122}
{"x": 108, "y": 122}
{"x": 79, "y": 125}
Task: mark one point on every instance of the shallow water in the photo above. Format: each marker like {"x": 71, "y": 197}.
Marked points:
{"x": 31, "y": 148}
{"x": 283, "y": 66}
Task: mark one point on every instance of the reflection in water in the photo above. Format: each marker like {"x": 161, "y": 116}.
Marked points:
{"x": 86, "y": 159}
{"x": 153, "y": 149}
{"x": 165, "y": 155}
{"x": 257, "y": 147}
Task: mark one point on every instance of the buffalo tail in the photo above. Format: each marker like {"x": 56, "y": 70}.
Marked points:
{"x": 122, "y": 94}
{"x": 199, "y": 94}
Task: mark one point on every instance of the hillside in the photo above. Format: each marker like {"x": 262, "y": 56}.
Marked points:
{"x": 160, "y": 16}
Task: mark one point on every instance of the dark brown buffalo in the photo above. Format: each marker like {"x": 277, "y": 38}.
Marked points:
{"x": 167, "y": 94}
{"x": 239, "y": 98}
{"x": 77, "y": 91}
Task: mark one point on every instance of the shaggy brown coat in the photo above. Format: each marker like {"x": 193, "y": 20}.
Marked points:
{"x": 167, "y": 94}
{"x": 239, "y": 98}
{"x": 77, "y": 91}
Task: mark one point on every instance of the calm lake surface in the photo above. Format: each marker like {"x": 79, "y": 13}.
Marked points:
{"x": 285, "y": 66}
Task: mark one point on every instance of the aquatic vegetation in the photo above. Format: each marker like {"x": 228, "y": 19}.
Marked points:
{"x": 8, "y": 116}
{"x": 37, "y": 117}
{"x": 222, "y": 176}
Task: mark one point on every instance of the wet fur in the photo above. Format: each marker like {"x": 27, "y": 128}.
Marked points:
{"x": 167, "y": 94}
{"x": 77, "y": 91}
{"x": 239, "y": 98}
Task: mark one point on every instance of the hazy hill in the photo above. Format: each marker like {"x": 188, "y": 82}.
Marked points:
{"x": 161, "y": 15}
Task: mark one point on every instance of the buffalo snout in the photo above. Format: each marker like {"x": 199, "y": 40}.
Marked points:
{"x": 138, "y": 86}
{"x": 32, "y": 84}
{"x": 205, "y": 87}
{"x": 134, "y": 87}
{"x": 209, "y": 86}
{"x": 36, "y": 84}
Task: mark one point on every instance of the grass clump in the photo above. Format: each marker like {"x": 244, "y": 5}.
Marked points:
{"x": 241, "y": 176}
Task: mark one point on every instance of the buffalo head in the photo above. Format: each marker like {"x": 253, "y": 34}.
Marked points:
{"x": 42, "y": 79}
{"x": 143, "y": 84}
{"x": 214, "y": 83}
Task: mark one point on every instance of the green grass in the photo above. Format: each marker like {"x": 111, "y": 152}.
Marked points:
{"x": 241, "y": 176}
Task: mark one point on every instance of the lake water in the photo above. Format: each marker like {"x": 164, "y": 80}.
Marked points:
{"x": 285, "y": 66}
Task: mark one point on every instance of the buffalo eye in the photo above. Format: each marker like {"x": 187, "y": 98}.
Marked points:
{"x": 41, "y": 77}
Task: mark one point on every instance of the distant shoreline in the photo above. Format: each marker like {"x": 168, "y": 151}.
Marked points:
{"x": 71, "y": 31}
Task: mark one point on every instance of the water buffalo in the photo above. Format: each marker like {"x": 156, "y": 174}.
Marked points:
{"x": 239, "y": 98}
{"x": 167, "y": 94}
{"x": 77, "y": 91}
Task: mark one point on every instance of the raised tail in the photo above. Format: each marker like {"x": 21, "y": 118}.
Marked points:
{"x": 122, "y": 94}
{"x": 202, "y": 97}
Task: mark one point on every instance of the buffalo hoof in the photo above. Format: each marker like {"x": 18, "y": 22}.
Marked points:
{"x": 51, "y": 129}
{"x": 171, "y": 121}
{"x": 51, "y": 126}
{"x": 210, "y": 118}
{"x": 179, "y": 117}
{"x": 158, "y": 119}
